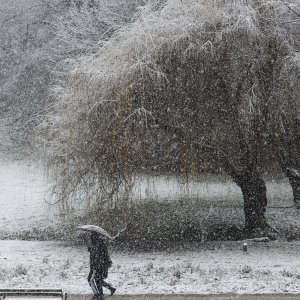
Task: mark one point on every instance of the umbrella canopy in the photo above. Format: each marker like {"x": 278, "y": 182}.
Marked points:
{"x": 96, "y": 229}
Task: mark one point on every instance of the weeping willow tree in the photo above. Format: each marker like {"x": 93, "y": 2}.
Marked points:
{"x": 185, "y": 89}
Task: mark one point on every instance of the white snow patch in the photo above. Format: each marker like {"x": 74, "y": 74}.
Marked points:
{"x": 212, "y": 268}
{"x": 22, "y": 190}
{"x": 210, "y": 189}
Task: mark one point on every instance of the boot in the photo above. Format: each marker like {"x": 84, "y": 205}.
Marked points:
{"x": 112, "y": 291}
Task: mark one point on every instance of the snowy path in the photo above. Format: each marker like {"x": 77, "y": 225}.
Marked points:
{"x": 213, "y": 268}
{"x": 195, "y": 297}
{"x": 173, "y": 297}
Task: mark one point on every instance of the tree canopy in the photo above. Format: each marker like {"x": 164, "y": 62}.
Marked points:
{"x": 186, "y": 88}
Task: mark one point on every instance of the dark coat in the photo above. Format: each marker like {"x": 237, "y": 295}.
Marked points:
{"x": 99, "y": 257}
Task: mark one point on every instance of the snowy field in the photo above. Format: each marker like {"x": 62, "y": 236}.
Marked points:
{"x": 212, "y": 268}
{"x": 22, "y": 202}
{"x": 24, "y": 208}
{"x": 217, "y": 267}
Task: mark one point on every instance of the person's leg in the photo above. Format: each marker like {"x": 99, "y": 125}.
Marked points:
{"x": 98, "y": 283}
{"x": 108, "y": 286}
{"x": 93, "y": 282}
{"x": 90, "y": 275}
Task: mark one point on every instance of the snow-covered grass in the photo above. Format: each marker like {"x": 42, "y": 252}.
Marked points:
{"x": 22, "y": 202}
{"x": 24, "y": 213}
{"x": 211, "y": 267}
{"x": 209, "y": 190}
{"x": 272, "y": 267}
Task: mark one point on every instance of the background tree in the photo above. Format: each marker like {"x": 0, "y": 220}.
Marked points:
{"x": 35, "y": 36}
{"x": 24, "y": 71}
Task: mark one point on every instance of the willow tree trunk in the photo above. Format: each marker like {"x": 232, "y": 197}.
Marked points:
{"x": 254, "y": 193}
{"x": 293, "y": 176}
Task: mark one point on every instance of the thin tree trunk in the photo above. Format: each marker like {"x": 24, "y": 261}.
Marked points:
{"x": 294, "y": 178}
{"x": 295, "y": 183}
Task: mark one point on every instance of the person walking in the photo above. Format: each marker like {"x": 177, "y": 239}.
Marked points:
{"x": 100, "y": 262}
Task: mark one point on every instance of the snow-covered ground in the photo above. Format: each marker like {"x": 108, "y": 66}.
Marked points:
{"x": 24, "y": 208}
{"x": 22, "y": 190}
{"x": 207, "y": 268}
{"x": 211, "y": 268}
{"x": 211, "y": 189}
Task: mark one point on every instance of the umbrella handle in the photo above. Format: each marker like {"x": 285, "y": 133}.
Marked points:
{"x": 114, "y": 237}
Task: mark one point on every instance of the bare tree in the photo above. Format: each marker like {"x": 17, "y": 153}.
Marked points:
{"x": 188, "y": 86}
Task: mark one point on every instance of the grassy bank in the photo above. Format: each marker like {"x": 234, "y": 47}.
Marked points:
{"x": 156, "y": 225}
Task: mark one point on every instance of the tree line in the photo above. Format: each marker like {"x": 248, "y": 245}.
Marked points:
{"x": 36, "y": 36}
